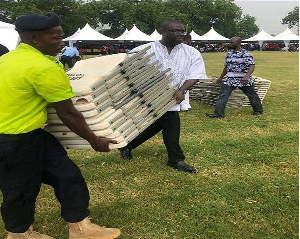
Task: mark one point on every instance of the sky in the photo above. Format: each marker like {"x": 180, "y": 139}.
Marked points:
{"x": 268, "y": 13}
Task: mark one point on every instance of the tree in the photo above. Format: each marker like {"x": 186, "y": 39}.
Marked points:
{"x": 10, "y": 10}
{"x": 68, "y": 10}
{"x": 246, "y": 27}
{"x": 292, "y": 19}
{"x": 197, "y": 15}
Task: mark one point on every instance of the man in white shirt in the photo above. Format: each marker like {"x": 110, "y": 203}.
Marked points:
{"x": 185, "y": 104}
{"x": 187, "y": 67}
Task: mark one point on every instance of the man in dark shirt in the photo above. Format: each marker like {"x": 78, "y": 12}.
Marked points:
{"x": 239, "y": 65}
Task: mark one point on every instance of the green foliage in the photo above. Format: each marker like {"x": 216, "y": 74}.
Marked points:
{"x": 292, "y": 19}
{"x": 225, "y": 16}
{"x": 246, "y": 27}
{"x": 68, "y": 10}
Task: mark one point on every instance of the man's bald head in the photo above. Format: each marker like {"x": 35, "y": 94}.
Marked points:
{"x": 236, "y": 39}
{"x": 167, "y": 24}
{"x": 235, "y": 43}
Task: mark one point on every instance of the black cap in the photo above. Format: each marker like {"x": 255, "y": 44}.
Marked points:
{"x": 37, "y": 22}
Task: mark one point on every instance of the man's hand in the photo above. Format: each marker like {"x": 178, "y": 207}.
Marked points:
{"x": 245, "y": 80}
{"x": 178, "y": 96}
{"x": 218, "y": 80}
{"x": 101, "y": 144}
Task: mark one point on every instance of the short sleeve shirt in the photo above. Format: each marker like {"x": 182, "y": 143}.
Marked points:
{"x": 237, "y": 64}
{"x": 71, "y": 51}
{"x": 185, "y": 62}
{"x": 29, "y": 82}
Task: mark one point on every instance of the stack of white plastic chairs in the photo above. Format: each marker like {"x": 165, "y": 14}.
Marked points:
{"x": 207, "y": 91}
{"x": 118, "y": 95}
{"x": 261, "y": 87}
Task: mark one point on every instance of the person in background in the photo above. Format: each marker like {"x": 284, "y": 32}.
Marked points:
{"x": 187, "y": 67}
{"x": 187, "y": 39}
{"x": 68, "y": 54}
{"x": 3, "y": 49}
{"x": 239, "y": 65}
{"x": 185, "y": 104}
{"x": 33, "y": 77}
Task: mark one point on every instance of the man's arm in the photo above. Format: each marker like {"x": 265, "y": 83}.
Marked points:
{"x": 195, "y": 73}
{"x": 179, "y": 95}
{"x": 75, "y": 121}
{"x": 248, "y": 74}
{"x": 220, "y": 78}
{"x": 77, "y": 55}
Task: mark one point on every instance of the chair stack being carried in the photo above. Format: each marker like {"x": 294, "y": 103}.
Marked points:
{"x": 119, "y": 97}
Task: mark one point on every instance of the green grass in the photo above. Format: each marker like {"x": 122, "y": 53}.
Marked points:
{"x": 246, "y": 187}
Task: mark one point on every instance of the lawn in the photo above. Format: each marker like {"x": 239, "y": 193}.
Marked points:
{"x": 246, "y": 187}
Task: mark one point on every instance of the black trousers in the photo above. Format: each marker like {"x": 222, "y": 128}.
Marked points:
{"x": 169, "y": 123}
{"x": 26, "y": 162}
{"x": 66, "y": 59}
{"x": 225, "y": 93}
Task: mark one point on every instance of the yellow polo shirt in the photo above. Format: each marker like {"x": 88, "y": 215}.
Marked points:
{"x": 29, "y": 80}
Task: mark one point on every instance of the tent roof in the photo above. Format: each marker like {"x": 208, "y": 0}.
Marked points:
{"x": 155, "y": 36}
{"x": 9, "y": 37}
{"x": 124, "y": 34}
{"x": 212, "y": 35}
{"x": 287, "y": 35}
{"x": 88, "y": 34}
{"x": 134, "y": 35}
{"x": 195, "y": 36}
{"x": 7, "y": 25}
{"x": 75, "y": 34}
{"x": 261, "y": 36}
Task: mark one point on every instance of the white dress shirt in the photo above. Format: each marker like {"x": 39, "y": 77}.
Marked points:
{"x": 185, "y": 62}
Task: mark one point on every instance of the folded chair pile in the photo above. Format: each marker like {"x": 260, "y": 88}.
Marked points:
{"x": 119, "y": 96}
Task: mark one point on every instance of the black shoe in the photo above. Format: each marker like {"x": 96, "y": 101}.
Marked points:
{"x": 182, "y": 166}
{"x": 256, "y": 113}
{"x": 125, "y": 154}
{"x": 214, "y": 115}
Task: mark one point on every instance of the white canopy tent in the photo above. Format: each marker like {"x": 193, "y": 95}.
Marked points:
{"x": 87, "y": 34}
{"x": 260, "y": 37}
{"x": 287, "y": 36}
{"x": 6, "y": 25}
{"x": 123, "y": 35}
{"x": 72, "y": 36}
{"x": 212, "y": 35}
{"x": 195, "y": 36}
{"x": 134, "y": 34}
{"x": 9, "y": 37}
{"x": 155, "y": 36}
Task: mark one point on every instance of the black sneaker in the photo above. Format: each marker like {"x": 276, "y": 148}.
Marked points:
{"x": 182, "y": 166}
{"x": 125, "y": 154}
{"x": 214, "y": 115}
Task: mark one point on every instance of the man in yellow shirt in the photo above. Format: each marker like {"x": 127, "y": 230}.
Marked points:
{"x": 31, "y": 78}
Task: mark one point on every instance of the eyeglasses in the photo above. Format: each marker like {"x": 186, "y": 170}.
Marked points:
{"x": 177, "y": 32}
